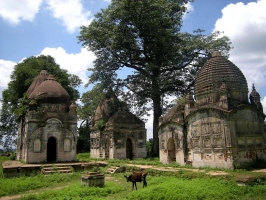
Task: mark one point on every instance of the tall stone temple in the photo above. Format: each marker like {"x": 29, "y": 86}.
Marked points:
{"x": 116, "y": 132}
{"x": 221, "y": 127}
{"x": 48, "y": 133}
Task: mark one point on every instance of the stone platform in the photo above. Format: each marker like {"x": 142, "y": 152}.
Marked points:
{"x": 93, "y": 179}
{"x": 16, "y": 168}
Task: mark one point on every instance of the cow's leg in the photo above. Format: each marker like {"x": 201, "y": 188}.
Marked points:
{"x": 144, "y": 183}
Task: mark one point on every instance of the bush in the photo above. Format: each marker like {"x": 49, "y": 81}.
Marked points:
{"x": 13, "y": 156}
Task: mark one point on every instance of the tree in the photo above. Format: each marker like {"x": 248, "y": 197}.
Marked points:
{"x": 14, "y": 103}
{"x": 8, "y": 128}
{"x": 145, "y": 36}
{"x": 89, "y": 102}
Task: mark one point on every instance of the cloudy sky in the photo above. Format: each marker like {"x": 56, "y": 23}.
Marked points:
{"x": 50, "y": 27}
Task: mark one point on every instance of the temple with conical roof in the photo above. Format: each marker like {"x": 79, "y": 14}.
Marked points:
{"x": 116, "y": 132}
{"x": 48, "y": 133}
{"x": 220, "y": 128}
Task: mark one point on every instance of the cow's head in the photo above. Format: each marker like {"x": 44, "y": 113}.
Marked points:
{"x": 128, "y": 178}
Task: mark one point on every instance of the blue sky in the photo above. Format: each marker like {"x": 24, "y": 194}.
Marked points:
{"x": 35, "y": 27}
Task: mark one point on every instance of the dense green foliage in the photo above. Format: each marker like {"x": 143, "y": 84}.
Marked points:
{"x": 145, "y": 37}
{"x": 14, "y": 102}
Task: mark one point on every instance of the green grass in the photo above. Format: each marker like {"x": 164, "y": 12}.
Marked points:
{"x": 77, "y": 191}
{"x": 11, "y": 186}
{"x": 182, "y": 184}
{"x": 2, "y": 158}
{"x": 170, "y": 188}
{"x": 159, "y": 188}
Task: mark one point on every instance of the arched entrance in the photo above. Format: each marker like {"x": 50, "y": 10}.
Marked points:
{"x": 129, "y": 149}
{"x": 51, "y": 150}
{"x": 171, "y": 150}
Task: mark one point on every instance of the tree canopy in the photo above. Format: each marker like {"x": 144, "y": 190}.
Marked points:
{"x": 14, "y": 102}
{"x": 145, "y": 36}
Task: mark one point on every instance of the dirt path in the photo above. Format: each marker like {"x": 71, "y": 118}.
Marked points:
{"x": 172, "y": 169}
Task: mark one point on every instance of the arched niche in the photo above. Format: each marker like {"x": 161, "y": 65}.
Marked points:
{"x": 37, "y": 145}
{"x": 67, "y": 144}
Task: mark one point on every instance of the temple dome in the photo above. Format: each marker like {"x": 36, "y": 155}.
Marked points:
{"x": 37, "y": 81}
{"x": 217, "y": 71}
{"x": 50, "y": 91}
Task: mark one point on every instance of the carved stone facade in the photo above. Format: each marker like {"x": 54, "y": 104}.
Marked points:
{"x": 116, "y": 133}
{"x": 221, "y": 128}
{"x": 48, "y": 133}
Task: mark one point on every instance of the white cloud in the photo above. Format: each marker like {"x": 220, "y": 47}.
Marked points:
{"x": 70, "y": 12}
{"x": 245, "y": 26}
{"x": 189, "y": 8}
{"x": 74, "y": 63}
{"x": 263, "y": 102}
{"x": 149, "y": 125}
{"x": 14, "y": 11}
{"x": 7, "y": 68}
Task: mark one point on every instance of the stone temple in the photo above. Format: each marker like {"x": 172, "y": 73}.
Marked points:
{"x": 221, "y": 127}
{"x": 116, "y": 132}
{"x": 48, "y": 133}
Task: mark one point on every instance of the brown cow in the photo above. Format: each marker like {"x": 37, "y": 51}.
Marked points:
{"x": 137, "y": 177}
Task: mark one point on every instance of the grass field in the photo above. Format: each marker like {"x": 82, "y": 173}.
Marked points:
{"x": 183, "y": 184}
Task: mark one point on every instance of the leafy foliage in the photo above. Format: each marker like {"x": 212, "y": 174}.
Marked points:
{"x": 83, "y": 144}
{"x": 145, "y": 37}
{"x": 8, "y": 127}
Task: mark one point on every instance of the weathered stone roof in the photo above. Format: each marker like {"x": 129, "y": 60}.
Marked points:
{"x": 107, "y": 107}
{"x": 216, "y": 70}
{"x": 51, "y": 91}
{"x": 124, "y": 117}
{"x": 72, "y": 106}
{"x": 173, "y": 112}
{"x": 37, "y": 81}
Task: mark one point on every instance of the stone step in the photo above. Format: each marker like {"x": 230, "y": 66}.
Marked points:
{"x": 113, "y": 169}
{"x": 56, "y": 168}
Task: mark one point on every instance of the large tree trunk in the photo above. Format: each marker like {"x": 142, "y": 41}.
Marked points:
{"x": 156, "y": 114}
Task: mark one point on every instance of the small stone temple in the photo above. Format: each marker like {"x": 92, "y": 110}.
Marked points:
{"x": 220, "y": 127}
{"x": 48, "y": 133}
{"x": 116, "y": 132}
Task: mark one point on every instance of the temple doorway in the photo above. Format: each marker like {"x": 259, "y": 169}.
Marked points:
{"x": 51, "y": 150}
{"x": 171, "y": 150}
{"x": 129, "y": 149}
